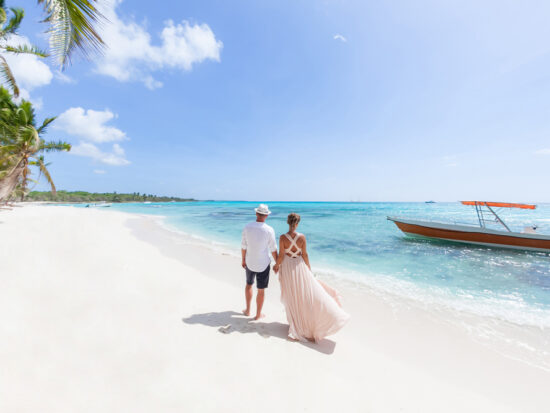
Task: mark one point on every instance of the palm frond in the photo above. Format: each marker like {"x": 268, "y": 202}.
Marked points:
{"x": 29, "y": 139}
{"x": 9, "y": 149}
{"x": 27, "y": 50}
{"x": 55, "y": 146}
{"x": 42, "y": 167}
{"x": 7, "y": 75}
{"x": 6, "y": 99}
{"x": 22, "y": 116}
{"x": 36, "y": 140}
{"x": 72, "y": 28}
{"x": 14, "y": 22}
{"x": 3, "y": 15}
{"x": 25, "y": 107}
{"x": 44, "y": 127}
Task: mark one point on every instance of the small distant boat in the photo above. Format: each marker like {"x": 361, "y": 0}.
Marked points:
{"x": 101, "y": 204}
{"x": 430, "y": 202}
{"x": 147, "y": 202}
{"x": 528, "y": 239}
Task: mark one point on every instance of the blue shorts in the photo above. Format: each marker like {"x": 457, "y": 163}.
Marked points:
{"x": 262, "y": 278}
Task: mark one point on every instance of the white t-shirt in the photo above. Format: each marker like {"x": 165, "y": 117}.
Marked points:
{"x": 258, "y": 241}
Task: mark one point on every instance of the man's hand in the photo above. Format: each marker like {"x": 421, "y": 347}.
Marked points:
{"x": 276, "y": 268}
{"x": 243, "y": 257}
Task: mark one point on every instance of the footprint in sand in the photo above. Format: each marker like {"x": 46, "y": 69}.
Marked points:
{"x": 225, "y": 329}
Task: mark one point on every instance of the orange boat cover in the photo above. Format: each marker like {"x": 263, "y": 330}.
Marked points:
{"x": 499, "y": 204}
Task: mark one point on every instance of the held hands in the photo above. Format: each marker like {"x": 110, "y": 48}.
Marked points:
{"x": 276, "y": 268}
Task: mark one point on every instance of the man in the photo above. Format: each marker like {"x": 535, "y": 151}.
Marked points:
{"x": 257, "y": 243}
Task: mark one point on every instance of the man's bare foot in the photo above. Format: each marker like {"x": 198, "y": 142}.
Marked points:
{"x": 259, "y": 316}
{"x": 246, "y": 312}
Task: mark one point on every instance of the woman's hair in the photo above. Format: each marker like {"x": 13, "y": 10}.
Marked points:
{"x": 293, "y": 219}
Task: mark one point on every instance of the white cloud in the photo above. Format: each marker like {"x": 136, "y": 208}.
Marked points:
{"x": 117, "y": 149}
{"x": 30, "y": 71}
{"x": 545, "y": 151}
{"x": 99, "y": 171}
{"x": 89, "y": 125}
{"x": 131, "y": 55}
{"x": 340, "y": 37}
{"x": 150, "y": 83}
{"x": 116, "y": 158}
{"x": 92, "y": 129}
{"x": 183, "y": 45}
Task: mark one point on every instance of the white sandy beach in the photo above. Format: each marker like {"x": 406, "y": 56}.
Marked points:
{"x": 103, "y": 311}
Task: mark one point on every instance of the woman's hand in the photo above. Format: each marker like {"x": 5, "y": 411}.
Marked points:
{"x": 276, "y": 268}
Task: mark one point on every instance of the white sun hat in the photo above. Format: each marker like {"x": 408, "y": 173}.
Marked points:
{"x": 262, "y": 209}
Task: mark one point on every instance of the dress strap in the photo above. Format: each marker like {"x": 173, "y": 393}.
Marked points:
{"x": 292, "y": 240}
{"x": 293, "y": 243}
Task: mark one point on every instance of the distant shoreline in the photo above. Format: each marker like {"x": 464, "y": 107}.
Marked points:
{"x": 31, "y": 202}
{"x": 75, "y": 197}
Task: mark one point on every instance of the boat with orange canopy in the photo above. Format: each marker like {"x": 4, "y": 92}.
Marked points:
{"x": 487, "y": 213}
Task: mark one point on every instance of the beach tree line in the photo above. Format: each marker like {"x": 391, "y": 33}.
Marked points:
{"x": 83, "y": 196}
{"x": 71, "y": 29}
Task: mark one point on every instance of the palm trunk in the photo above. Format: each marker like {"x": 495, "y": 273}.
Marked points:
{"x": 9, "y": 182}
{"x": 24, "y": 183}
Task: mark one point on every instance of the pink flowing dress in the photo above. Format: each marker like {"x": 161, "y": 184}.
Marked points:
{"x": 312, "y": 307}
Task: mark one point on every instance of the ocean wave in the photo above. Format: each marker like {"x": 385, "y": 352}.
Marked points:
{"x": 506, "y": 307}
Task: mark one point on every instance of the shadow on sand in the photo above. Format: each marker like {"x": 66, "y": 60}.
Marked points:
{"x": 231, "y": 321}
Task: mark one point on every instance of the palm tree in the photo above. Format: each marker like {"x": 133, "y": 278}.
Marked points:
{"x": 72, "y": 27}
{"x": 22, "y": 146}
{"x": 7, "y": 31}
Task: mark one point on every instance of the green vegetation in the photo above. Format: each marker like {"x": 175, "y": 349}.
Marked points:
{"x": 8, "y": 32}
{"x": 82, "y": 196}
{"x": 71, "y": 28}
{"x": 22, "y": 146}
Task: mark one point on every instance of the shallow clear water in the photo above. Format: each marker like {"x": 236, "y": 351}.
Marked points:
{"x": 355, "y": 240}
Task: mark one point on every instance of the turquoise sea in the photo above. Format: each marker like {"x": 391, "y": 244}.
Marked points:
{"x": 355, "y": 241}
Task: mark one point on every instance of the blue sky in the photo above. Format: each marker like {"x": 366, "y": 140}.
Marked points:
{"x": 306, "y": 100}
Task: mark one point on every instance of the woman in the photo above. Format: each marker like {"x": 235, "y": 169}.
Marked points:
{"x": 312, "y": 307}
